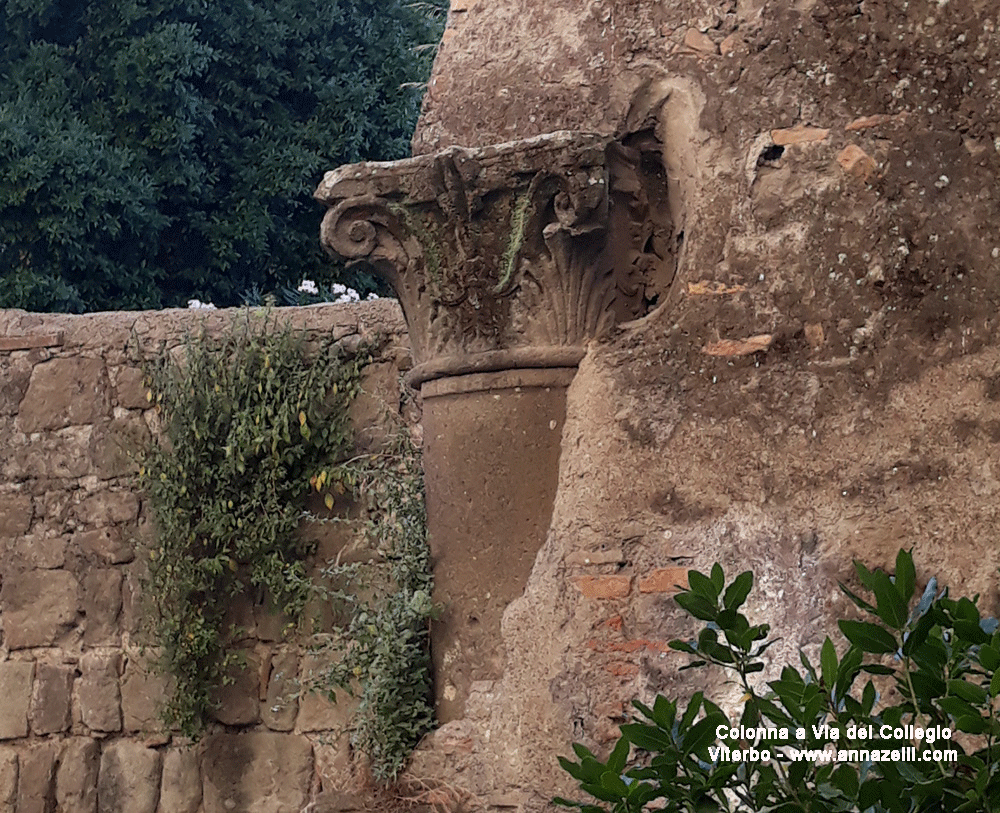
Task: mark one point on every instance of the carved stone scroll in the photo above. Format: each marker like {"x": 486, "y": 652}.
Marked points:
{"x": 500, "y": 255}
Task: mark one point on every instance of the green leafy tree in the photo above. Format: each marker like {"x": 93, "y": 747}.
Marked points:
{"x": 153, "y": 151}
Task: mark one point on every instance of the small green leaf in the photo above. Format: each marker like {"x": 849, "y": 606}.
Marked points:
{"x": 890, "y": 604}
{"x": 868, "y": 637}
{"x": 702, "y": 734}
{"x": 737, "y": 592}
{"x": 967, "y": 691}
{"x": 718, "y": 578}
{"x": 828, "y": 663}
{"x": 906, "y": 575}
{"x": 995, "y": 685}
{"x": 697, "y": 605}
{"x": 703, "y": 586}
{"x": 616, "y": 761}
{"x": 646, "y": 737}
{"x": 856, "y": 599}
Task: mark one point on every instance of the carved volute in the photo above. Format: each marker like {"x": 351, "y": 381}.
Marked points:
{"x": 501, "y": 255}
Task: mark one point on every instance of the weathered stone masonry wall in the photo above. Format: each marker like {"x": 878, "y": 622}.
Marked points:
{"x": 78, "y": 704}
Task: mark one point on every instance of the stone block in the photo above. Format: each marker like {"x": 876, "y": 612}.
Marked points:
{"x": 102, "y": 606}
{"x": 105, "y": 508}
{"x": 369, "y": 410}
{"x": 333, "y": 763}
{"x": 38, "y": 551}
{"x": 134, "y": 610}
{"x": 36, "y": 777}
{"x": 110, "y": 544}
{"x": 130, "y": 778}
{"x": 65, "y": 392}
{"x": 281, "y": 702}
{"x": 77, "y": 776}
{"x": 143, "y": 689}
{"x": 52, "y": 698}
{"x": 15, "y": 376}
{"x": 256, "y": 772}
{"x": 180, "y": 786}
{"x": 130, "y": 389}
{"x": 98, "y": 693}
{"x": 239, "y": 703}
{"x": 8, "y": 778}
{"x": 60, "y": 454}
{"x": 270, "y": 624}
{"x": 316, "y": 711}
{"x": 38, "y": 607}
{"x": 116, "y": 444}
{"x": 16, "y": 511}
{"x": 15, "y": 689}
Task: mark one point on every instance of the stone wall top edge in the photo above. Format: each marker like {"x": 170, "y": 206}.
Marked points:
{"x": 114, "y": 328}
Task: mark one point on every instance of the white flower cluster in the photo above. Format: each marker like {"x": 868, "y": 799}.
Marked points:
{"x": 196, "y": 304}
{"x": 340, "y": 293}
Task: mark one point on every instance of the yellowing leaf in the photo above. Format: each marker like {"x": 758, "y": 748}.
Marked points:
{"x": 302, "y": 419}
{"x": 328, "y": 501}
{"x": 149, "y": 395}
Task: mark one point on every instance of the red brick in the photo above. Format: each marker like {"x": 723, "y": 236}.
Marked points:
{"x": 614, "y": 623}
{"x": 857, "y": 162}
{"x": 664, "y": 580}
{"x": 798, "y": 135}
{"x": 622, "y": 669}
{"x": 739, "y": 347}
{"x": 31, "y": 340}
{"x": 604, "y": 586}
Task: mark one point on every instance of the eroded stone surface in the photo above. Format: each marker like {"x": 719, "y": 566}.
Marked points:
{"x": 110, "y": 544}
{"x": 77, "y": 776}
{"x": 38, "y": 607}
{"x": 65, "y": 392}
{"x": 317, "y": 712}
{"x": 15, "y": 514}
{"x": 15, "y": 689}
{"x": 256, "y": 772}
{"x": 130, "y": 778}
{"x": 144, "y": 689}
{"x": 36, "y": 777}
{"x": 98, "y": 693}
{"x": 102, "y": 605}
{"x": 8, "y": 777}
{"x": 238, "y": 702}
{"x": 280, "y": 706}
{"x": 180, "y": 788}
{"x": 51, "y": 700}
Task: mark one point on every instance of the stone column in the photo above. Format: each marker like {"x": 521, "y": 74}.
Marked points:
{"x": 506, "y": 260}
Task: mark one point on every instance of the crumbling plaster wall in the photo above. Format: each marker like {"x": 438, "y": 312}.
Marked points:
{"x": 79, "y": 729}
{"x": 822, "y": 382}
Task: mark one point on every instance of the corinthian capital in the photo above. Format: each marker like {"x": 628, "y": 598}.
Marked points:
{"x": 500, "y": 255}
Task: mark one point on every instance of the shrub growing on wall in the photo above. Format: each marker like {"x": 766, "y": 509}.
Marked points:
{"x": 248, "y": 420}
{"x": 821, "y": 739}
{"x": 154, "y": 151}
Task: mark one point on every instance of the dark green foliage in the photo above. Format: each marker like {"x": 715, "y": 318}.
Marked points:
{"x": 153, "y": 151}
{"x": 248, "y": 421}
{"x": 384, "y": 651}
{"x": 941, "y": 656}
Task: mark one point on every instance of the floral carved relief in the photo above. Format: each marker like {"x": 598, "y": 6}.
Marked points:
{"x": 512, "y": 253}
